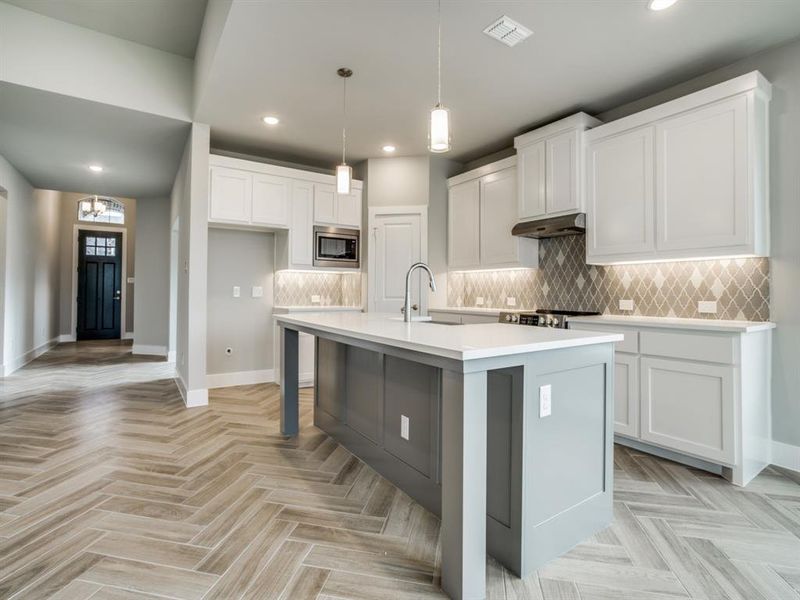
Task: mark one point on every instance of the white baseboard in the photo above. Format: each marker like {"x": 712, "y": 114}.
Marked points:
{"x": 66, "y": 337}
{"x": 128, "y": 335}
{"x": 786, "y": 455}
{"x": 220, "y": 380}
{"x": 191, "y": 398}
{"x": 19, "y": 362}
{"x": 149, "y": 350}
{"x": 171, "y": 356}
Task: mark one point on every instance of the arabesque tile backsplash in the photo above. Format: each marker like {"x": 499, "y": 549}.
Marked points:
{"x": 564, "y": 281}
{"x": 295, "y": 288}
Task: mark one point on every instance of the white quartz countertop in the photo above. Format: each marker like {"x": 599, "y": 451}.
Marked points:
{"x": 317, "y": 308}
{"x": 459, "y": 342}
{"x": 676, "y": 323}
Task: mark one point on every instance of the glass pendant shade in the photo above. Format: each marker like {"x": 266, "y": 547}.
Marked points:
{"x": 439, "y": 131}
{"x": 344, "y": 177}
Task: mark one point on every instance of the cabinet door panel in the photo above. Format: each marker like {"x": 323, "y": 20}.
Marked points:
{"x": 271, "y": 200}
{"x": 231, "y": 195}
{"x": 498, "y": 216}
{"x": 620, "y": 195}
{"x": 463, "y": 231}
{"x": 301, "y": 236}
{"x": 688, "y": 407}
{"x": 626, "y": 394}
{"x": 324, "y": 204}
{"x": 349, "y": 208}
{"x": 531, "y": 175}
{"x": 702, "y": 178}
{"x": 562, "y": 173}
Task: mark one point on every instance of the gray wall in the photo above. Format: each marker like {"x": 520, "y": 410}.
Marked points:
{"x": 781, "y": 66}
{"x": 244, "y": 259}
{"x": 68, "y": 218}
{"x": 439, "y": 170}
{"x": 29, "y": 276}
{"x": 151, "y": 290}
{"x": 397, "y": 181}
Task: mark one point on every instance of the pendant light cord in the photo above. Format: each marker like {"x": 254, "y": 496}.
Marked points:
{"x": 344, "y": 117}
{"x": 439, "y": 53}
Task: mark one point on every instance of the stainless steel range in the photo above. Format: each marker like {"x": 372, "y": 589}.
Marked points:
{"x": 544, "y": 317}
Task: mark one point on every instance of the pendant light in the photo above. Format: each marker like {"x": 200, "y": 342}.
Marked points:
{"x": 439, "y": 126}
{"x": 344, "y": 172}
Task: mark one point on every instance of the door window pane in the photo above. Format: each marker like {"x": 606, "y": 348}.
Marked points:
{"x": 90, "y": 241}
{"x": 101, "y": 251}
{"x": 90, "y": 251}
{"x": 111, "y": 251}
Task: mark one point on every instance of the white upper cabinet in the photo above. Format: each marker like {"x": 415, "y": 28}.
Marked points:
{"x": 684, "y": 180}
{"x": 230, "y": 195}
{"x": 271, "y": 200}
{"x": 701, "y": 186}
{"x": 549, "y": 160}
{"x": 301, "y": 229}
{"x": 349, "y": 208}
{"x": 620, "y": 198}
{"x": 498, "y": 217}
{"x": 482, "y": 210}
{"x": 325, "y": 204}
{"x": 463, "y": 225}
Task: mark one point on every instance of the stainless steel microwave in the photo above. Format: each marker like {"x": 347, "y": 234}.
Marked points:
{"x": 336, "y": 247}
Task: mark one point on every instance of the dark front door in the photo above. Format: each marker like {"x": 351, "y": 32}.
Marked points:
{"x": 99, "y": 284}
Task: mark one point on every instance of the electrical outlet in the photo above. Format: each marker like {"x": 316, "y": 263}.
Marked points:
{"x": 479, "y": 301}
{"x": 404, "y": 427}
{"x": 237, "y": 291}
{"x": 229, "y": 351}
{"x": 545, "y": 400}
{"x": 314, "y": 298}
{"x": 626, "y": 304}
{"x": 257, "y": 291}
{"x": 707, "y": 307}
{"x": 511, "y": 301}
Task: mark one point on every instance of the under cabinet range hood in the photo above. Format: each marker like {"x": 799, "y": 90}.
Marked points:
{"x": 551, "y": 227}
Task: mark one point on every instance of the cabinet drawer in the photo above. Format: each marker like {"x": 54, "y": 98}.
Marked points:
{"x": 707, "y": 347}
{"x": 630, "y": 344}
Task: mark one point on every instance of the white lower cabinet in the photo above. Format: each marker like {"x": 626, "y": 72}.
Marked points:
{"x": 688, "y": 406}
{"x": 626, "y": 394}
{"x": 701, "y": 393}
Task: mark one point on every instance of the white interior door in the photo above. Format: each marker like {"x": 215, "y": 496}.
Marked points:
{"x": 396, "y": 242}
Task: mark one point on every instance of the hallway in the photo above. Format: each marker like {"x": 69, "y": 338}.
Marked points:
{"x": 111, "y": 488}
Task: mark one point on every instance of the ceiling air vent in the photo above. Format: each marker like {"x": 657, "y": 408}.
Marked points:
{"x": 507, "y": 31}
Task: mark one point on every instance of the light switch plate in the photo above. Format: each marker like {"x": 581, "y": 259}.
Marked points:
{"x": 707, "y": 307}
{"x": 258, "y": 291}
{"x": 404, "y": 427}
{"x": 237, "y": 291}
{"x": 131, "y": 279}
{"x": 511, "y": 301}
{"x": 626, "y": 304}
{"x": 479, "y": 301}
{"x": 314, "y": 298}
{"x": 545, "y": 400}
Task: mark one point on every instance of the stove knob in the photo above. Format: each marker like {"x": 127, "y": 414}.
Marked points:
{"x": 509, "y": 318}
{"x": 549, "y": 321}
{"x": 555, "y": 321}
{"x": 515, "y": 318}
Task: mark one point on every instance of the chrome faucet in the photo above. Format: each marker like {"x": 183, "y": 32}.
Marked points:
{"x": 407, "y": 302}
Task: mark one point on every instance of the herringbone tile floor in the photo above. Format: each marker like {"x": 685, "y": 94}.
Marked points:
{"x": 111, "y": 489}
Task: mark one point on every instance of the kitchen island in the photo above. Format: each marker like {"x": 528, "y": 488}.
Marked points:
{"x": 503, "y": 430}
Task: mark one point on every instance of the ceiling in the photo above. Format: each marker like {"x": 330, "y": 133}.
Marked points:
{"x": 280, "y": 57}
{"x": 168, "y": 25}
{"x": 51, "y": 139}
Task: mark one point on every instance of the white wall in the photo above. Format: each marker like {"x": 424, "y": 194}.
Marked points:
{"x": 52, "y": 55}
{"x": 189, "y": 204}
{"x": 30, "y": 273}
{"x": 781, "y": 66}
{"x": 152, "y": 287}
{"x": 244, "y": 259}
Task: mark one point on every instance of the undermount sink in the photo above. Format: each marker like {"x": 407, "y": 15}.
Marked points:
{"x": 432, "y": 322}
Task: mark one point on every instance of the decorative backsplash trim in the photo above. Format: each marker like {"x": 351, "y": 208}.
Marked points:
{"x": 563, "y": 280}
{"x": 295, "y": 288}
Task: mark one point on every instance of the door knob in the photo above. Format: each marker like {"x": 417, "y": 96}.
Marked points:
{"x": 117, "y": 295}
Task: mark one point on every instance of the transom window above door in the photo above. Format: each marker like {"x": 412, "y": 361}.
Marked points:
{"x": 101, "y": 209}
{"x": 99, "y": 245}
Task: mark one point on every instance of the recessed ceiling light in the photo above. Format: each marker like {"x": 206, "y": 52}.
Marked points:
{"x": 660, "y": 4}
{"x": 389, "y": 148}
{"x": 96, "y": 168}
{"x": 270, "y": 120}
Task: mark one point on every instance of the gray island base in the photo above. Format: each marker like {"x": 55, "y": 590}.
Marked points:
{"x": 457, "y": 417}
